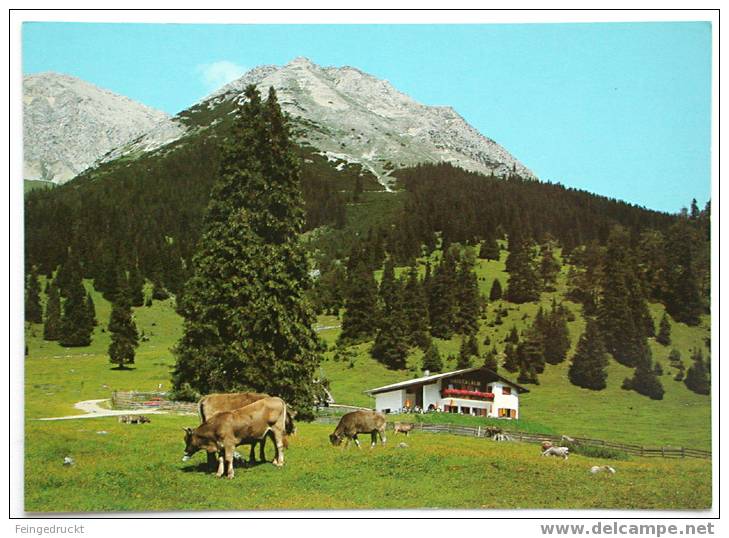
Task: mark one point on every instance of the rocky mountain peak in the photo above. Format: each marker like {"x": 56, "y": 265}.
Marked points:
{"x": 68, "y": 124}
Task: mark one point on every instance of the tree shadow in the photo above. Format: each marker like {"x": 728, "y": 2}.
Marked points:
{"x": 123, "y": 368}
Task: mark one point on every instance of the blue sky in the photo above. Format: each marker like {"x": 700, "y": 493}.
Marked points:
{"x": 620, "y": 109}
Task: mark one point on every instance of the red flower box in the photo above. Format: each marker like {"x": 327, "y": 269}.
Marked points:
{"x": 464, "y": 392}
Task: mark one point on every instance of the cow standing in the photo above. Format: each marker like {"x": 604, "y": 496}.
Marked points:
{"x": 215, "y": 403}
{"x": 225, "y": 430}
{"x": 357, "y": 422}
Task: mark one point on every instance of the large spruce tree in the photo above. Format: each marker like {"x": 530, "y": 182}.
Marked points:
{"x": 247, "y": 325}
{"x": 589, "y": 363}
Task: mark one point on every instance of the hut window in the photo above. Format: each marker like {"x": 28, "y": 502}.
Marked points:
{"x": 506, "y": 391}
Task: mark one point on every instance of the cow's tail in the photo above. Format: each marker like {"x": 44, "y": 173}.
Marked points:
{"x": 201, "y": 409}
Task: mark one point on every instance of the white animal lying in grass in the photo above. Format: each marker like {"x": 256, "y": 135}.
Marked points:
{"x": 560, "y": 451}
{"x": 602, "y": 469}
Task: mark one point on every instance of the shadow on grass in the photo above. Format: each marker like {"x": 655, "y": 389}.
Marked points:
{"x": 203, "y": 467}
{"x": 123, "y": 369}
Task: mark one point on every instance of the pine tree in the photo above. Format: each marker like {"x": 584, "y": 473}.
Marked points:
{"x": 389, "y": 288}
{"x": 527, "y": 374}
{"x": 247, "y": 324}
{"x": 468, "y": 350}
{"x": 136, "y": 286}
{"x": 622, "y": 310}
{"x": 489, "y": 249}
{"x": 390, "y": 346}
{"x": 442, "y": 297}
{"x": 556, "y": 335}
{"x": 496, "y": 292}
{"x": 415, "y": 311}
{"x": 490, "y": 360}
{"x": 664, "y": 332}
{"x": 33, "y": 310}
{"x": 644, "y": 380}
{"x": 549, "y": 267}
{"x": 511, "y": 360}
{"x": 523, "y": 282}
{"x": 589, "y": 363}
{"x": 697, "y": 377}
{"x": 530, "y": 350}
{"x": 683, "y": 297}
{"x": 52, "y": 320}
{"x": 75, "y": 328}
{"x": 359, "y": 322}
{"x": 467, "y": 299}
{"x": 124, "y": 335}
{"x": 431, "y": 360}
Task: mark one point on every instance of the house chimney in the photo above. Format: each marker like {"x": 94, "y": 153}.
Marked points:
{"x": 426, "y": 373}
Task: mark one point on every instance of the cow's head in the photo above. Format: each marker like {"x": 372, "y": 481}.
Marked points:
{"x": 190, "y": 445}
{"x": 335, "y": 439}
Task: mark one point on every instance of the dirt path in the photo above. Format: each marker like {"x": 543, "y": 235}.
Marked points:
{"x": 93, "y": 410}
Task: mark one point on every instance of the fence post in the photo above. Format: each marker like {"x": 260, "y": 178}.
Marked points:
{"x": 641, "y": 450}
{"x": 663, "y": 451}
{"x": 478, "y": 434}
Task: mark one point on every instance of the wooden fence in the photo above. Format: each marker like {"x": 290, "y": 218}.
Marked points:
{"x": 527, "y": 437}
{"x": 149, "y": 400}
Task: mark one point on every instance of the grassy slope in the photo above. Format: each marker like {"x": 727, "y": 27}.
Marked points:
{"x": 442, "y": 471}
{"x": 682, "y": 418}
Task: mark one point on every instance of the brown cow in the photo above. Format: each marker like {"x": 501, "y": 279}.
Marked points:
{"x": 404, "y": 427}
{"x": 364, "y": 421}
{"x": 224, "y": 431}
{"x": 215, "y": 403}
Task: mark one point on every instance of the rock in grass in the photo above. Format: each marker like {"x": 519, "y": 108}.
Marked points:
{"x": 68, "y": 461}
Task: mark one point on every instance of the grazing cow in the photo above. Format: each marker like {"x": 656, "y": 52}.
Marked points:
{"x": 559, "y": 451}
{"x": 356, "y": 422}
{"x": 602, "y": 469}
{"x": 493, "y": 431}
{"x": 215, "y": 403}
{"x": 404, "y": 427}
{"x": 546, "y": 445}
{"x": 225, "y": 430}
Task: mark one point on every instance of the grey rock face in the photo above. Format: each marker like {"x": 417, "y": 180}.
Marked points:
{"x": 68, "y": 124}
{"x": 352, "y": 116}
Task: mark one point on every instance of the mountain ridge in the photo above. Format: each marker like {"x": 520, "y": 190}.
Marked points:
{"x": 348, "y": 115}
{"x": 68, "y": 124}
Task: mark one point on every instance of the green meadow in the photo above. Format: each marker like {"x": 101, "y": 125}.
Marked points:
{"x": 139, "y": 467}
